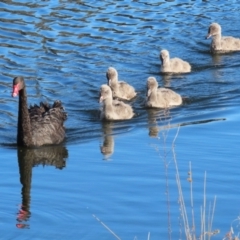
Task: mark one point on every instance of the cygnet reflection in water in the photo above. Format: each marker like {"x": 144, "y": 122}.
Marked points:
{"x": 107, "y": 145}
{"x": 27, "y": 159}
{"x": 158, "y": 120}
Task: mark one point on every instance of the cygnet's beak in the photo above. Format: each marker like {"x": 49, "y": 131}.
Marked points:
{"x": 161, "y": 58}
{"x": 149, "y": 92}
{"x": 100, "y": 98}
{"x": 109, "y": 82}
{"x": 208, "y": 36}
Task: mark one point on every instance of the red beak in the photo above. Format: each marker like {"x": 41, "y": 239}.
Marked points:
{"x": 15, "y": 90}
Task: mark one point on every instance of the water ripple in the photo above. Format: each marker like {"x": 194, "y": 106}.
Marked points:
{"x": 64, "y": 49}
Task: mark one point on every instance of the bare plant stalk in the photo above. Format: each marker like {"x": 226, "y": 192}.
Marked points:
{"x": 166, "y": 164}
{"x": 181, "y": 198}
{"x": 191, "y": 197}
{"x": 210, "y": 221}
{"x": 191, "y": 233}
{"x": 106, "y": 227}
{"x": 183, "y": 210}
{"x": 203, "y": 217}
{"x": 167, "y": 190}
{"x": 213, "y": 210}
{"x": 201, "y": 236}
{"x": 168, "y": 203}
{"x": 148, "y": 236}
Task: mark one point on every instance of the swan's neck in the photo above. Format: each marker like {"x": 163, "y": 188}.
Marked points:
{"x": 216, "y": 43}
{"x": 24, "y": 137}
{"x": 108, "y": 105}
{"x": 114, "y": 84}
{"x": 115, "y": 78}
{"x": 166, "y": 65}
{"x": 153, "y": 94}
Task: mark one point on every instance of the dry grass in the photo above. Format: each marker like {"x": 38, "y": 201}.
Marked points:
{"x": 232, "y": 235}
{"x": 206, "y": 219}
{"x": 187, "y": 213}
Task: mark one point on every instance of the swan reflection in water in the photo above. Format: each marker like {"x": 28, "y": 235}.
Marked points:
{"x": 217, "y": 59}
{"x": 160, "y": 120}
{"x": 107, "y": 145}
{"x": 29, "y": 158}
{"x": 157, "y": 117}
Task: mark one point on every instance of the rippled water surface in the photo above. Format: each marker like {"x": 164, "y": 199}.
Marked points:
{"x": 108, "y": 180}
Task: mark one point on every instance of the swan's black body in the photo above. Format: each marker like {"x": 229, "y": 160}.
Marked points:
{"x": 38, "y": 125}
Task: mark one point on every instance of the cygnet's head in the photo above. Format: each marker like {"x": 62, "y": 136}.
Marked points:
{"x": 105, "y": 93}
{"x": 214, "y": 29}
{"x": 111, "y": 74}
{"x": 164, "y": 54}
{"x": 152, "y": 83}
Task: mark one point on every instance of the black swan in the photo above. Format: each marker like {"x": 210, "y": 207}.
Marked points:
{"x": 38, "y": 125}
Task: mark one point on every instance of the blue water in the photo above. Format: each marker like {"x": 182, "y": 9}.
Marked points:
{"x": 110, "y": 178}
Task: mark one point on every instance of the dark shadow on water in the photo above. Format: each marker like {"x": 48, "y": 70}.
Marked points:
{"x": 27, "y": 159}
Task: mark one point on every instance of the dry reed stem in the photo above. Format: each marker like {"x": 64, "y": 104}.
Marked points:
{"x": 203, "y": 217}
{"x": 180, "y": 192}
{"x": 114, "y": 234}
{"x": 191, "y": 197}
{"x": 231, "y": 235}
{"x": 191, "y": 233}
{"x": 166, "y": 165}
